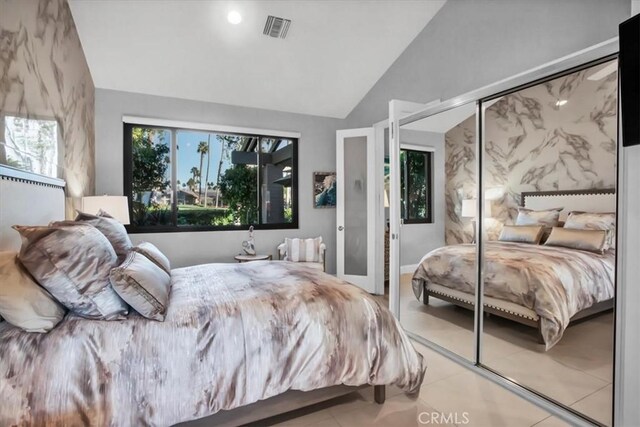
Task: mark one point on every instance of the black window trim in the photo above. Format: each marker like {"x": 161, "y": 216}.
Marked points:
{"x": 175, "y": 228}
{"x": 429, "y": 188}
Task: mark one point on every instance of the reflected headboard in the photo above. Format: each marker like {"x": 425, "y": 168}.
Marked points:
{"x": 27, "y": 199}
{"x": 596, "y": 200}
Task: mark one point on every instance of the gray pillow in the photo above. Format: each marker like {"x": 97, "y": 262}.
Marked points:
{"x": 143, "y": 285}
{"x": 23, "y": 303}
{"x": 72, "y": 260}
{"x": 113, "y": 230}
{"x": 153, "y": 253}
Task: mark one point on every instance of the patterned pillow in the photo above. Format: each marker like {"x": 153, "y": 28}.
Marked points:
{"x": 303, "y": 250}
{"x": 594, "y": 221}
{"x": 547, "y": 217}
{"x": 143, "y": 285}
{"x": 113, "y": 230}
{"x": 72, "y": 260}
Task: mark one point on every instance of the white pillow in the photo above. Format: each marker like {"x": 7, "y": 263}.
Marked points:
{"x": 303, "y": 250}
{"x": 23, "y": 302}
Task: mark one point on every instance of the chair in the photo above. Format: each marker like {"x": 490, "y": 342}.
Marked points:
{"x": 308, "y": 249}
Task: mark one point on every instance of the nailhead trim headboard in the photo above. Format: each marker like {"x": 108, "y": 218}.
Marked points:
{"x": 27, "y": 199}
{"x": 591, "y": 200}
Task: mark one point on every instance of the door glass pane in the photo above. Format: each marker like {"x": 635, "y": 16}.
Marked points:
{"x": 355, "y": 206}
{"x": 550, "y": 150}
{"x": 437, "y": 298}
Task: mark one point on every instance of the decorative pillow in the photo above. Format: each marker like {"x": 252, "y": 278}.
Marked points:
{"x": 143, "y": 285}
{"x": 23, "y": 303}
{"x": 72, "y": 260}
{"x": 547, "y": 217}
{"x": 153, "y": 253}
{"x": 113, "y": 230}
{"x": 586, "y": 240}
{"x": 522, "y": 233}
{"x": 303, "y": 250}
{"x": 594, "y": 221}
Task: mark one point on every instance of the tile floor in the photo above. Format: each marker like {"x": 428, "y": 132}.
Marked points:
{"x": 577, "y": 371}
{"x": 448, "y": 389}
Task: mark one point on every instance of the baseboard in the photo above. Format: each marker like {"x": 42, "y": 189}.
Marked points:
{"x": 406, "y": 269}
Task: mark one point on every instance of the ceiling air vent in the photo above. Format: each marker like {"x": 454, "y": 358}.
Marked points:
{"x": 276, "y": 27}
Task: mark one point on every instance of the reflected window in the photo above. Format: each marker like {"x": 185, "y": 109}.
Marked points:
{"x": 30, "y": 144}
{"x": 415, "y": 186}
{"x": 187, "y": 179}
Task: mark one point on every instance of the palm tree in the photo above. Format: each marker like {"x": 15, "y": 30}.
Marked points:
{"x": 206, "y": 179}
{"x": 195, "y": 173}
{"x": 203, "y": 149}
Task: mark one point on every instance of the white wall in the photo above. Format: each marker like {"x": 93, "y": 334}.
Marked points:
{"x": 470, "y": 44}
{"x": 316, "y": 153}
{"x": 418, "y": 239}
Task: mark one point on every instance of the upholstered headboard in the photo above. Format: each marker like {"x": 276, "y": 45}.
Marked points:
{"x": 596, "y": 200}
{"x": 27, "y": 199}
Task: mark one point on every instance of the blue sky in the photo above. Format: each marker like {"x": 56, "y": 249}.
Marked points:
{"x": 188, "y": 156}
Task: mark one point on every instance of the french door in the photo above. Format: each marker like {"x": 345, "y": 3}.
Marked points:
{"x": 356, "y": 207}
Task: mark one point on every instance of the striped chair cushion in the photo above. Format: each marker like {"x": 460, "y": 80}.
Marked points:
{"x": 303, "y": 250}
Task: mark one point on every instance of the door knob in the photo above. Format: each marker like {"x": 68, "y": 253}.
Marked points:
{"x": 340, "y": 228}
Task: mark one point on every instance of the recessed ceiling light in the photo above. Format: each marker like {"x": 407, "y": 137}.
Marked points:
{"x": 561, "y": 102}
{"x": 234, "y": 17}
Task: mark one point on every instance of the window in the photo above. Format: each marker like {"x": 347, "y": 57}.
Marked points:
{"x": 30, "y": 144}
{"x": 186, "y": 179}
{"x": 415, "y": 186}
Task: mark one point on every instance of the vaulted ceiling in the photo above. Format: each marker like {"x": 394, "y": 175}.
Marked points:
{"x": 334, "y": 52}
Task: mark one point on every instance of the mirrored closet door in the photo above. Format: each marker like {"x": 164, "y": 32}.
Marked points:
{"x": 508, "y": 232}
{"x": 548, "y": 249}
{"x": 438, "y": 192}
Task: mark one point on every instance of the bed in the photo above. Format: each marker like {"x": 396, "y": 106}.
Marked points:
{"x": 273, "y": 335}
{"x": 545, "y": 287}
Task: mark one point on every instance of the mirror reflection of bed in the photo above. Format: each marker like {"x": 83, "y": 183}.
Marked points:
{"x": 548, "y": 239}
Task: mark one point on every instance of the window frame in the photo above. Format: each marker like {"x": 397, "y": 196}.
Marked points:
{"x": 174, "y": 227}
{"x": 429, "y": 154}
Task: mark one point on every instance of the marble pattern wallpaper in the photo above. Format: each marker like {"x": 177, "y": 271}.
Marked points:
{"x": 534, "y": 142}
{"x": 44, "y": 74}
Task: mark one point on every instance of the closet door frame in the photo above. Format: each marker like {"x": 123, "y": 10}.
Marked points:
{"x": 598, "y": 53}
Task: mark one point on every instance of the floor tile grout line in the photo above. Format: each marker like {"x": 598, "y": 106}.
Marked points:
{"x": 590, "y": 394}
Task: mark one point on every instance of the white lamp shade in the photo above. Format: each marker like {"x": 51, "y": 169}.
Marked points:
{"x": 116, "y": 206}
{"x": 469, "y": 208}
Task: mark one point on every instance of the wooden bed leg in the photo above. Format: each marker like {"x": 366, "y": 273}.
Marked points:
{"x": 425, "y": 296}
{"x": 379, "y": 394}
{"x": 540, "y": 337}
